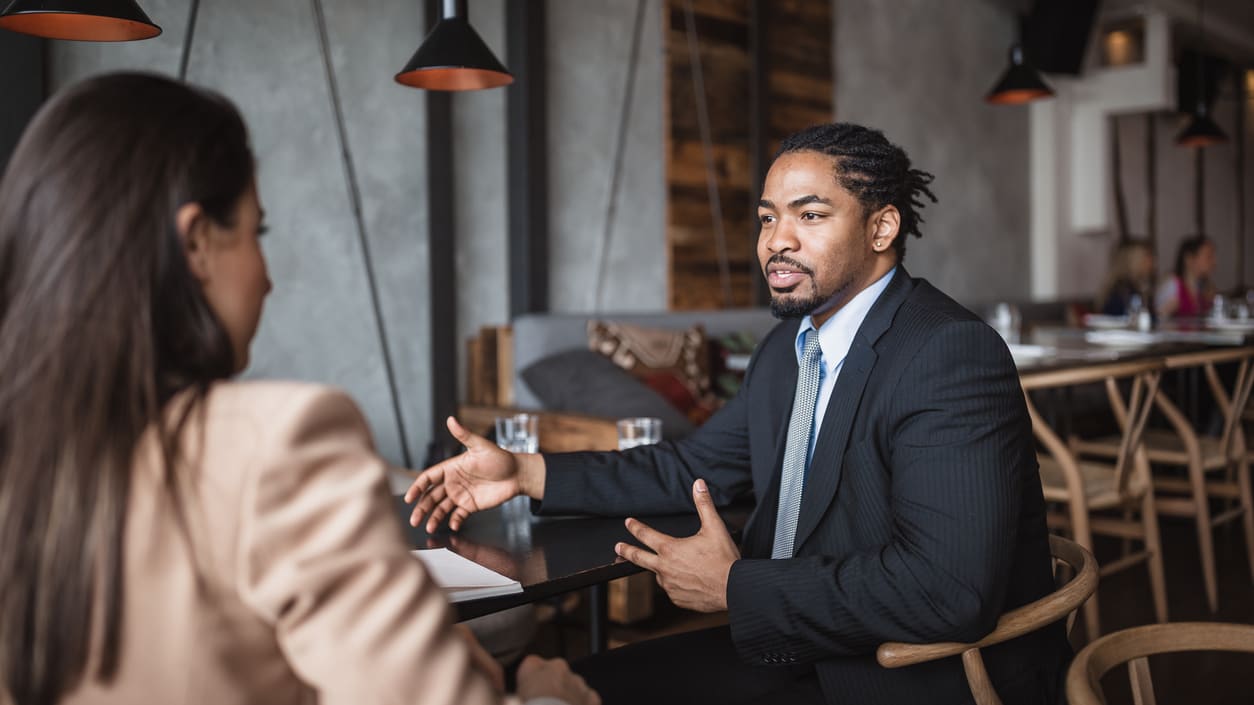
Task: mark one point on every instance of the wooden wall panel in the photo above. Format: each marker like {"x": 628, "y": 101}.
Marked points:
{"x": 799, "y": 81}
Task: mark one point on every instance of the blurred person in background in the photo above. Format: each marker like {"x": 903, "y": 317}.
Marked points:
{"x": 1188, "y": 291}
{"x": 1130, "y": 280}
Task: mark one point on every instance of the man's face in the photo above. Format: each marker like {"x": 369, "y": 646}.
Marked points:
{"x": 817, "y": 247}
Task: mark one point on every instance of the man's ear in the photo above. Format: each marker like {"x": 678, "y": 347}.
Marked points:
{"x": 193, "y": 228}
{"x": 884, "y": 224}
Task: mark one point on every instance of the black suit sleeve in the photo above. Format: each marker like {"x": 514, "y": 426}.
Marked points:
{"x": 655, "y": 479}
{"x": 958, "y": 447}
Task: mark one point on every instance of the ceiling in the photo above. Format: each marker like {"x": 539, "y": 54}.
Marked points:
{"x": 1228, "y": 24}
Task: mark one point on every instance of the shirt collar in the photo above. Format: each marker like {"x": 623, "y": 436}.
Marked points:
{"x": 836, "y": 335}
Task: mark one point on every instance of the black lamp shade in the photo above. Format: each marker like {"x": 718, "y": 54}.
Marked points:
{"x": 82, "y": 20}
{"x": 454, "y": 58}
{"x": 1201, "y": 131}
{"x": 1021, "y": 83}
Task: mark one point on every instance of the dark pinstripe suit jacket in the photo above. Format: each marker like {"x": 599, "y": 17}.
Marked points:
{"x": 922, "y": 518}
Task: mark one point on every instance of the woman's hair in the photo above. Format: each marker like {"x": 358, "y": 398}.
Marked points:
{"x": 1122, "y": 272}
{"x": 101, "y": 323}
{"x": 1188, "y": 247}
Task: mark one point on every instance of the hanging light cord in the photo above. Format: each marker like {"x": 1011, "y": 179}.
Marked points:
{"x": 1201, "y": 107}
{"x": 354, "y": 195}
{"x": 711, "y": 177}
{"x": 620, "y": 143}
{"x": 188, "y": 37}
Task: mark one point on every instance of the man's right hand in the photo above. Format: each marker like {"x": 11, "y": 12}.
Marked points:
{"x": 481, "y": 478}
{"x": 538, "y": 678}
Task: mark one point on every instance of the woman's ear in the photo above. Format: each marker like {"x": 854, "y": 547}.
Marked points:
{"x": 193, "y": 228}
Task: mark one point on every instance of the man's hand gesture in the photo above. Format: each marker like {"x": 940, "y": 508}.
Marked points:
{"x": 481, "y": 478}
{"x": 692, "y": 571}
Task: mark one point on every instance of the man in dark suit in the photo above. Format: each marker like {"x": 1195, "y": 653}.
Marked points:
{"x": 882, "y": 431}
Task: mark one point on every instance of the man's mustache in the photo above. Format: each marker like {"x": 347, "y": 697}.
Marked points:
{"x": 781, "y": 259}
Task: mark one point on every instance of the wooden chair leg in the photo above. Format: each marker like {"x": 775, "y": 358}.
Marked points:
{"x": 1083, "y": 535}
{"x": 1153, "y": 544}
{"x": 1205, "y": 535}
{"x": 1247, "y": 504}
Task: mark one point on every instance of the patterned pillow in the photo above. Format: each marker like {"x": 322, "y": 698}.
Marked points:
{"x": 650, "y": 353}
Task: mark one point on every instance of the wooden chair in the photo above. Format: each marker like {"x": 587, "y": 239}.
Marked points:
{"x": 1133, "y": 646}
{"x": 1087, "y": 486}
{"x": 1059, "y": 604}
{"x": 1215, "y": 467}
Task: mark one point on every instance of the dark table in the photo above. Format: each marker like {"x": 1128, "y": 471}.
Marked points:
{"x": 550, "y": 555}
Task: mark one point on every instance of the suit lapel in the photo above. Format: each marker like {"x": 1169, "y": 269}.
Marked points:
{"x": 827, "y": 464}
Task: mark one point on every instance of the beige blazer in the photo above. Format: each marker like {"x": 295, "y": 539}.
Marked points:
{"x": 294, "y": 583}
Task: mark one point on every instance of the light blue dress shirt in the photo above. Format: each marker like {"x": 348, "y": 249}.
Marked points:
{"x": 835, "y": 339}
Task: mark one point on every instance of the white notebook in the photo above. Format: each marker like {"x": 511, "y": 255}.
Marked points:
{"x": 463, "y": 579}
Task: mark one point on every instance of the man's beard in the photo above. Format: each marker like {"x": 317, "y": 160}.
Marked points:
{"x": 791, "y": 308}
{"x": 796, "y": 308}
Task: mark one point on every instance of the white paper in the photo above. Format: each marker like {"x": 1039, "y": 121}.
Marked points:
{"x": 463, "y": 579}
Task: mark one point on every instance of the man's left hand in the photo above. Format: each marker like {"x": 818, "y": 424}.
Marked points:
{"x": 692, "y": 571}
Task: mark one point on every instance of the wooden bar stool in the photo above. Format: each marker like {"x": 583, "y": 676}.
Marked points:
{"x": 1215, "y": 467}
{"x": 1088, "y": 486}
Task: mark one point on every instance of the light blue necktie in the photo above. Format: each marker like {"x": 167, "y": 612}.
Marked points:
{"x": 798, "y": 446}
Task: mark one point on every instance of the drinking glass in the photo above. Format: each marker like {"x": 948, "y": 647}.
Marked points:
{"x": 1005, "y": 319}
{"x": 640, "y": 431}
{"x": 518, "y": 433}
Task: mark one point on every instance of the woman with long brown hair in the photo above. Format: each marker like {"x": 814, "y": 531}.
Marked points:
{"x": 170, "y": 535}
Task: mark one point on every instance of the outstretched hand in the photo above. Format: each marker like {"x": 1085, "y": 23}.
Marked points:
{"x": 693, "y": 571}
{"x": 481, "y": 478}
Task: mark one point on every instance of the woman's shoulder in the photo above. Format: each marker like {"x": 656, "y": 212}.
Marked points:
{"x": 268, "y": 413}
{"x": 273, "y": 399}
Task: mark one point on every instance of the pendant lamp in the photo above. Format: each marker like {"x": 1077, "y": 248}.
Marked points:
{"x": 81, "y": 20}
{"x": 1201, "y": 130}
{"x": 1021, "y": 83}
{"x": 453, "y": 57}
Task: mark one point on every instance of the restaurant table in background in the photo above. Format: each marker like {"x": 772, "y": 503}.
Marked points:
{"x": 550, "y": 555}
{"x": 1060, "y": 347}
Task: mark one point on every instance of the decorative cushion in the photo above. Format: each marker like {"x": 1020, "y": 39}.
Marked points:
{"x": 647, "y": 351}
{"x": 584, "y": 382}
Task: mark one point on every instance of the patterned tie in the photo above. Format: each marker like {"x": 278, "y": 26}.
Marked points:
{"x": 798, "y": 447}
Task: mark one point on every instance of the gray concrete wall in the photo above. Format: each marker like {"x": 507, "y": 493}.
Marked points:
{"x": 318, "y": 323}
{"x": 919, "y": 70}
{"x": 21, "y": 85}
{"x": 589, "y": 51}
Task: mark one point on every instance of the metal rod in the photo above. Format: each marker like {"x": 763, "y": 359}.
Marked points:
{"x": 354, "y": 196}
{"x": 1242, "y": 98}
{"x": 1151, "y": 182}
{"x": 188, "y": 37}
{"x": 1199, "y": 190}
{"x": 620, "y": 143}
{"x": 759, "y": 130}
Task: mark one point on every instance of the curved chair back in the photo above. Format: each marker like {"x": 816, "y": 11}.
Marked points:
{"x": 1133, "y": 646}
{"x": 1060, "y": 604}
{"x": 1132, "y": 415}
{"x": 1230, "y": 401}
